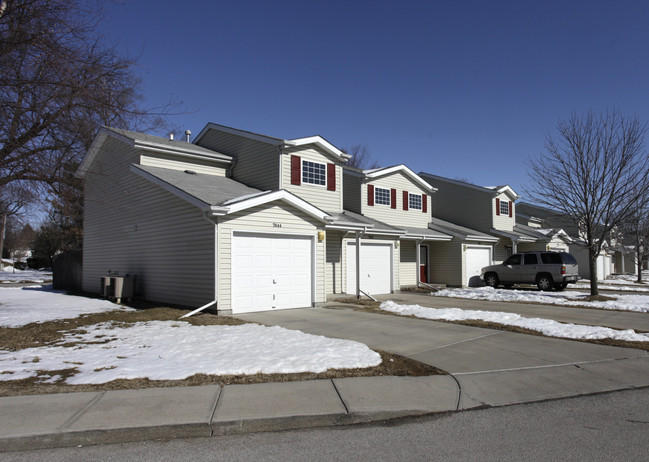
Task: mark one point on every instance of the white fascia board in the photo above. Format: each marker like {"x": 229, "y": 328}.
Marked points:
{"x": 426, "y": 237}
{"x": 509, "y": 191}
{"x": 471, "y": 237}
{"x": 236, "y": 131}
{"x": 322, "y": 143}
{"x": 281, "y": 195}
{"x": 515, "y": 237}
{"x": 376, "y": 173}
{"x": 170, "y": 188}
{"x": 344, "y": 227}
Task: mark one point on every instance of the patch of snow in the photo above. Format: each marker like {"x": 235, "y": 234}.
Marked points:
{"x": 8, "y": 275}
{"x": 622, "y": 302}
{"x": 547, "y": 327}
{"x": 23, "y": 305}
{"x": 172, "y": 350}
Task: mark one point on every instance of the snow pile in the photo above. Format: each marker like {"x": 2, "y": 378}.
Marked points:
{"x": 622, "y": 302}
{"x": 24, "y": 305}
{"x": 8, "y": 275}
{"x": 171, "y": 350}
{"x": 545, "y": 326}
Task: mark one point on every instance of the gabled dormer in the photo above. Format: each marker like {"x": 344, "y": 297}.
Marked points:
{"x": 310, "y": 167}
{"x": 481, "y": 208}
{"x": 393, "y": 195}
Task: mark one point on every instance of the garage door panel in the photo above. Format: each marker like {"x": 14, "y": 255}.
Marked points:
{"x": 476, "y": 258}
{"x": 375, "y": 268}
{"x": 271, "y": 272}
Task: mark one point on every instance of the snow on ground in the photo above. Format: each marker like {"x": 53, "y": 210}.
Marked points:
{"x": 161, "y": 350}
{"x": 547, "y": 327}
{"x": 8, "y": 275}
{"x": 170, "y": 350}
{"x": 622, "y": 302}
{"x": 23, "y": 305}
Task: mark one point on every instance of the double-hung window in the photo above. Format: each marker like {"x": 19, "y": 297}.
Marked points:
{"x": 504, "y": 208}
{"x": 381, "y": 196}
{"x": 314, "y": 173}
{"x": 414, "y": 201}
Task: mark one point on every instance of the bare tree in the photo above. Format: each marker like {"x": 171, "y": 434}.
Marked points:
{"x": 58, "y": 84}
{"x": 595, "y": 171}
{"x": 361, "y": 157}
{"x": 635, "y": 232}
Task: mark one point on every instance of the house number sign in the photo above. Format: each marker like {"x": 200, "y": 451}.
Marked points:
{"x": 277, "y": 225}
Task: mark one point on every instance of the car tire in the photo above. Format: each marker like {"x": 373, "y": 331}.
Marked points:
{"x": 491, "y": 279}
{"x": 560, "y": 285}
{"x": 544, "y": 282}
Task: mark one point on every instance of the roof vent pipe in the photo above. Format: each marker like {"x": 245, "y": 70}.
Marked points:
{"x": 171, "y": 136}
{"x": 188, "y": 133}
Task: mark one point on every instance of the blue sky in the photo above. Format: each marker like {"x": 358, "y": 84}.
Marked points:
{"x": 462, "y": 89}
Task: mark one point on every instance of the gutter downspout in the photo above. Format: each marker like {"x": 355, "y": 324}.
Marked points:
{"x": 418, "y": 260}
{"x": 213, "y": 221}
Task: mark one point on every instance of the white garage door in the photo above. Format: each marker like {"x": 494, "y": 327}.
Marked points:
{"x": 271, "y": 272}
{"x": 476, "y": 259}
{"x": 376, "y": 268}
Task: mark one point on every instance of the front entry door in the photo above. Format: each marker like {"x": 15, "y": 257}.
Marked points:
{"x": 423, "y": 263}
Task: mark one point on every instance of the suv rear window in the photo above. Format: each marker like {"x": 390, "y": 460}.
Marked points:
{"x": 530, "y": 259}
{"x": 551, "y": 258}
{"x": 568, "y": 259}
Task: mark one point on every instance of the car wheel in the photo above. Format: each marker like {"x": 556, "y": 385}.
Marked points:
{"x": 491, "y": 279}
{"x": 561, "y": 285}
{"x": 544, "y": 282}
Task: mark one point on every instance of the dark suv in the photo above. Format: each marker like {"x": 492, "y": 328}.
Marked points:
{"x": 545, "y": 269}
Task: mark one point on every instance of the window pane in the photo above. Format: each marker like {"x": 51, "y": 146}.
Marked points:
{"x": 531, "y": 259}
{"x": 504, "y": 208}
{"x": 414, "y": 201}
{"x": 314, "y": 173}
{"x": 381, "y": 196}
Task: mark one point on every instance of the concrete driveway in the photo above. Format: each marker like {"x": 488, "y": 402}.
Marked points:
{"x": 491, "y": 367}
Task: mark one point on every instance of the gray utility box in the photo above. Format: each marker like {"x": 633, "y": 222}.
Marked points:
{"x": 118, "y": 287}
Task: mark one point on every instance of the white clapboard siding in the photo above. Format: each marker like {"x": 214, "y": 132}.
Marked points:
{"x": 132, "y": 226}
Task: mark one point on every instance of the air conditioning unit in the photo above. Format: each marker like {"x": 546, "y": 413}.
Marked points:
{"x": 117, "y": 287}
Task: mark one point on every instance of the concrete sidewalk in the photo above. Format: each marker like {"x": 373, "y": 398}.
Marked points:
{"x": 70, "y": 419}
{"x": 487, "y": 367}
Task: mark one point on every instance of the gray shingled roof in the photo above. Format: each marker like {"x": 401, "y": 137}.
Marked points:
{"x": 453, "y": 229}
{"x": 171, "y": 144}
{"x": 209, "y": 189}
{"x": 355, "y": 219}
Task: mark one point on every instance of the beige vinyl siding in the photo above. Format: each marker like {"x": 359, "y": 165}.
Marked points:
{"x": 408, "y": 263}
{"x": 352, "y": 186}
{"x": 132, "y": 226}
{"x": 256, "y": 163}
{"x": 174, "y": 163}
{"x": 446, "y": 263}
{"x": 263, "y": 219}
{"x": 395, "y": 259}
{"x": 503, "y": 222}
{"x": 319, "y": 196}
{"x": 333, "y": 267}
{"x": 501, "y": 251}
{"x": 462, "y": 205}
{"x": 398, "y": 216}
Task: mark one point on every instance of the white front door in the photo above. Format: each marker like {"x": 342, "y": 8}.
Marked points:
{"x": 476, "y": 258}
{"x": 271, "y": 272}
{"x": 376, "y": 268}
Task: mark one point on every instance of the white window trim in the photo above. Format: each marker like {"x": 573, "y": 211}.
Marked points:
{"x": 421, "y": 201}
{"x": 313, "y": 184}
{"x": 376, "y": 190}
{"x": 504, "y": 208}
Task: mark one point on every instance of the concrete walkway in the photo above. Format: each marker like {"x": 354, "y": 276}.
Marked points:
{"x": 487, "y": 367}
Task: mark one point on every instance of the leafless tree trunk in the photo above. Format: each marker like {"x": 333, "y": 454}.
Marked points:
{"x": 595, "y": 171}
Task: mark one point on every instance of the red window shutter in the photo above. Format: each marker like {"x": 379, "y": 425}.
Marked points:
{"x": 296, "y": 170}
{"x": 497, "y": 206}
{"x": 393, "y": 198}
{"x": 424, "y": 203}
{"x": 510, "y": 209}
{"x": 331, "y": 177}
{"x": 405, "y": 200}
{"x": 370, "y": 194}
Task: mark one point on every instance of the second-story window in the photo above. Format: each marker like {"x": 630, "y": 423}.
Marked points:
{"x": 504, "y": 208}
{"x": 414, "y": 201}
{"x": 381, "y": 196}
{"x": 314, "y": 173}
